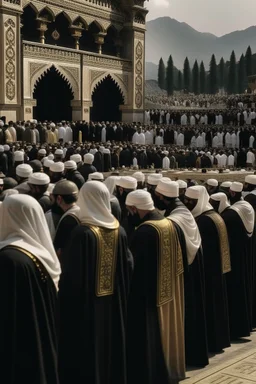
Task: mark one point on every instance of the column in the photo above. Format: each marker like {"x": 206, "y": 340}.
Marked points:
{"x": 99, "y": 40}
{"x": 42, "y": 28}
{"x": 10, "y": 60}
{"x": 76, "y": 32}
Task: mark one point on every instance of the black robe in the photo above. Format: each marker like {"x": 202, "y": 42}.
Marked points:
{"x": 215, "y": 286}
{"x": 28, "y": 347}
{"x": 92, "y": 346}
{"x": 239, "y": 280}
{"x": 196, "y": 346}
{"x": 146, "y": 360}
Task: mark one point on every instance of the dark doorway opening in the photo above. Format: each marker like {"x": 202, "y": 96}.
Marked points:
{"x": 53, "y": 94}
{"x": 106, "y": 98}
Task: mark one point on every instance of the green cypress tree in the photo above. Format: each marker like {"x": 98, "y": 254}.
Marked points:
{"x": 241, "y": 76}
{"x": 161, "y": 74}
{"x": 195, "y": 78}
{"x": 186, "y": 75}
{"x": 213, "y": 78}
{"x": 249, "y": 62}
{"x": 202, "y": 77}
{"x": 222, "y": 73}
{"x": 232, "y": 75}
{"x": 180, "y": 81}
{"x": 169, "y": 76}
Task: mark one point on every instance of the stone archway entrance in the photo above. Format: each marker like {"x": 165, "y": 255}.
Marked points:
{"x": 53, "y": 94}
{"x": 107, "y": 98}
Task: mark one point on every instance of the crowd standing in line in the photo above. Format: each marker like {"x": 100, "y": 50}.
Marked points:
{"x": 121, "y": 279}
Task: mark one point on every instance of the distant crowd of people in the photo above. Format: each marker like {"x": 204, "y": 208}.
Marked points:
{"x": 201, "y": 101}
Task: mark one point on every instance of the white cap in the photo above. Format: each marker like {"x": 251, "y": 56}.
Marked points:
{"x": 212, "y": 182}
{"x": 168, "y": 188}
{"x": 139, "y": 176}
{"x": 1, "y": 181}
{"x": 127, "y": 182}
{"x": 59, "y": 152}
{"x": 153, "y": 179}
{"x": 223, "y": 199}
{"x": 38, "y": 178}
{"x": 24, "y": 170}
{"x": 250, "y": 179}
{"x": 236, "y": 187}
{"x": 88, "y": 158}
{"x": 193, "y": 193}
{"x": 182, "y": 184}
{"x": 76, "y": 158}
{"x": 51, "y": 157}
{"x": 18, "y": 156}
{"x": 57, "y": 167}
{"x": 52, "y": 125}
{"x": 140, "y": 199}
{"x": 6, "y": 147}
{"x": 48, "y": 163}
{"x": 42, "y": 151}
{"x": 70, "y": 165}
{"x": 95, "y": 176}
{"x": 1, "y": 148}
{"x": 226, "y": 184}
{"x": 106, "y": 151}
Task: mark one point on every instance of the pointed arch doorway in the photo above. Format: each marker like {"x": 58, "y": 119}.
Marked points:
{"x": 107, "y": 98}
{"x": 53, "y": 94}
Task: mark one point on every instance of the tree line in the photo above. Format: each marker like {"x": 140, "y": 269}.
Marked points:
{"x": 230, "y": 76}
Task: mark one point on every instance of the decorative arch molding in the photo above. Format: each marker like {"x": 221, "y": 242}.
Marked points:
{"x": 39, "y": 70}
{"x": 97, "y": 77}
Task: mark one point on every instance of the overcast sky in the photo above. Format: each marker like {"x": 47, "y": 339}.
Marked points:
{"x": 214, "y": 16}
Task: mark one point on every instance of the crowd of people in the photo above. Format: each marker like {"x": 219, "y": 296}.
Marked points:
{"x": 187, "y": 100}
{"x": 118, "y": 279}
{"x": 113, "y": 279}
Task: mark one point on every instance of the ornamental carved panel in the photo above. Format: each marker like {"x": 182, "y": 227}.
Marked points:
{"x": 10, "y": 65}
{"x": 139, "y": 57}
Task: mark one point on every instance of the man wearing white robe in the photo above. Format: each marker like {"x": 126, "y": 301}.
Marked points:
{"x": 228, "y": 140}
{"x": 149, "y": 137}
{"x": 104, "y": 134}
{"x": 168, "y": 116}
{"x": 180, "y": 139}
{"x": 184, "y": 119}
{"x": 233, "y": 140}
{"x": 192, "y": 120}
{"x": 199, "y": 141}
{"x": 215, "y": 141}
{"x": 251, "y": 141}
{"x": 166, "y": 161}
{"x": 68, "y": 134}
{"x": 231, "y": 160}
{"x": 135, "y": 138}
{"x": 250, "y": 159}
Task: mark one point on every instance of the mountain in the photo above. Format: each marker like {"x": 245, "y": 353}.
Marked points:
{"x": 167, "y": 36}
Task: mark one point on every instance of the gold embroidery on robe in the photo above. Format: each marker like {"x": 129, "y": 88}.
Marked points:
{"x": 170, "y": 263}
{"x": 107, "y": 243}
{"x": 223, "y": 239}
{"x": 40, "y": 267}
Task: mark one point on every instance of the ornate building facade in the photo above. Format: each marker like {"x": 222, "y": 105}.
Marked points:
{"x": 72, "y": 59}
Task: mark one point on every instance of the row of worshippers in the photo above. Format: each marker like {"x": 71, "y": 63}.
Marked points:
{"x": 198, "y": 137}
{"x": 187, "y": 288}
{"x": 208, "y": 117}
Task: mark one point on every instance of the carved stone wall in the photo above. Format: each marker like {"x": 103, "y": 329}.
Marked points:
{"x": 139, "y": 60}
{"x": 10, "y": 59}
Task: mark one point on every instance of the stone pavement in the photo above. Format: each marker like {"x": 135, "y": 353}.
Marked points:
{"x": 237, "y": 365}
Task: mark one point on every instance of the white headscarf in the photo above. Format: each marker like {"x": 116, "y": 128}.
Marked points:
{"x": 23, "y": 224}
{"x": 246, "y": 213}
{"x": 110, "y": 183}
{"x": 199, "y": 192}
{"x": 94, "y": 203}
{"x": 184, "y": 218}
{"x": 223, "y": 199}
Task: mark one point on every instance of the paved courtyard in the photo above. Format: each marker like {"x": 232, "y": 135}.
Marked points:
{"x": 237, "y": 365}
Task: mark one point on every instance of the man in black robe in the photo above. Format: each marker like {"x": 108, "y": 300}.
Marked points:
{"x": 167, "y": 193}
{"x": 29, "y": 274}
{"x": 87, "y": 168}
{"x": 72, "y": 174}
{"x": 93, "y": 294}
{"x": 250, "y": 197}
{"x": 216, "y": 264}
{"x": 239, "y": 220}
{"x": 155, "y": 330}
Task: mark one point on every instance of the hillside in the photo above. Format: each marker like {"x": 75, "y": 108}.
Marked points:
{"x": 167, "y": 36}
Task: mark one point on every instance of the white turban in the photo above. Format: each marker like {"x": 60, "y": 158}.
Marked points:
{"x": 223, "y": 200}
{"x": 140, "y": 199}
